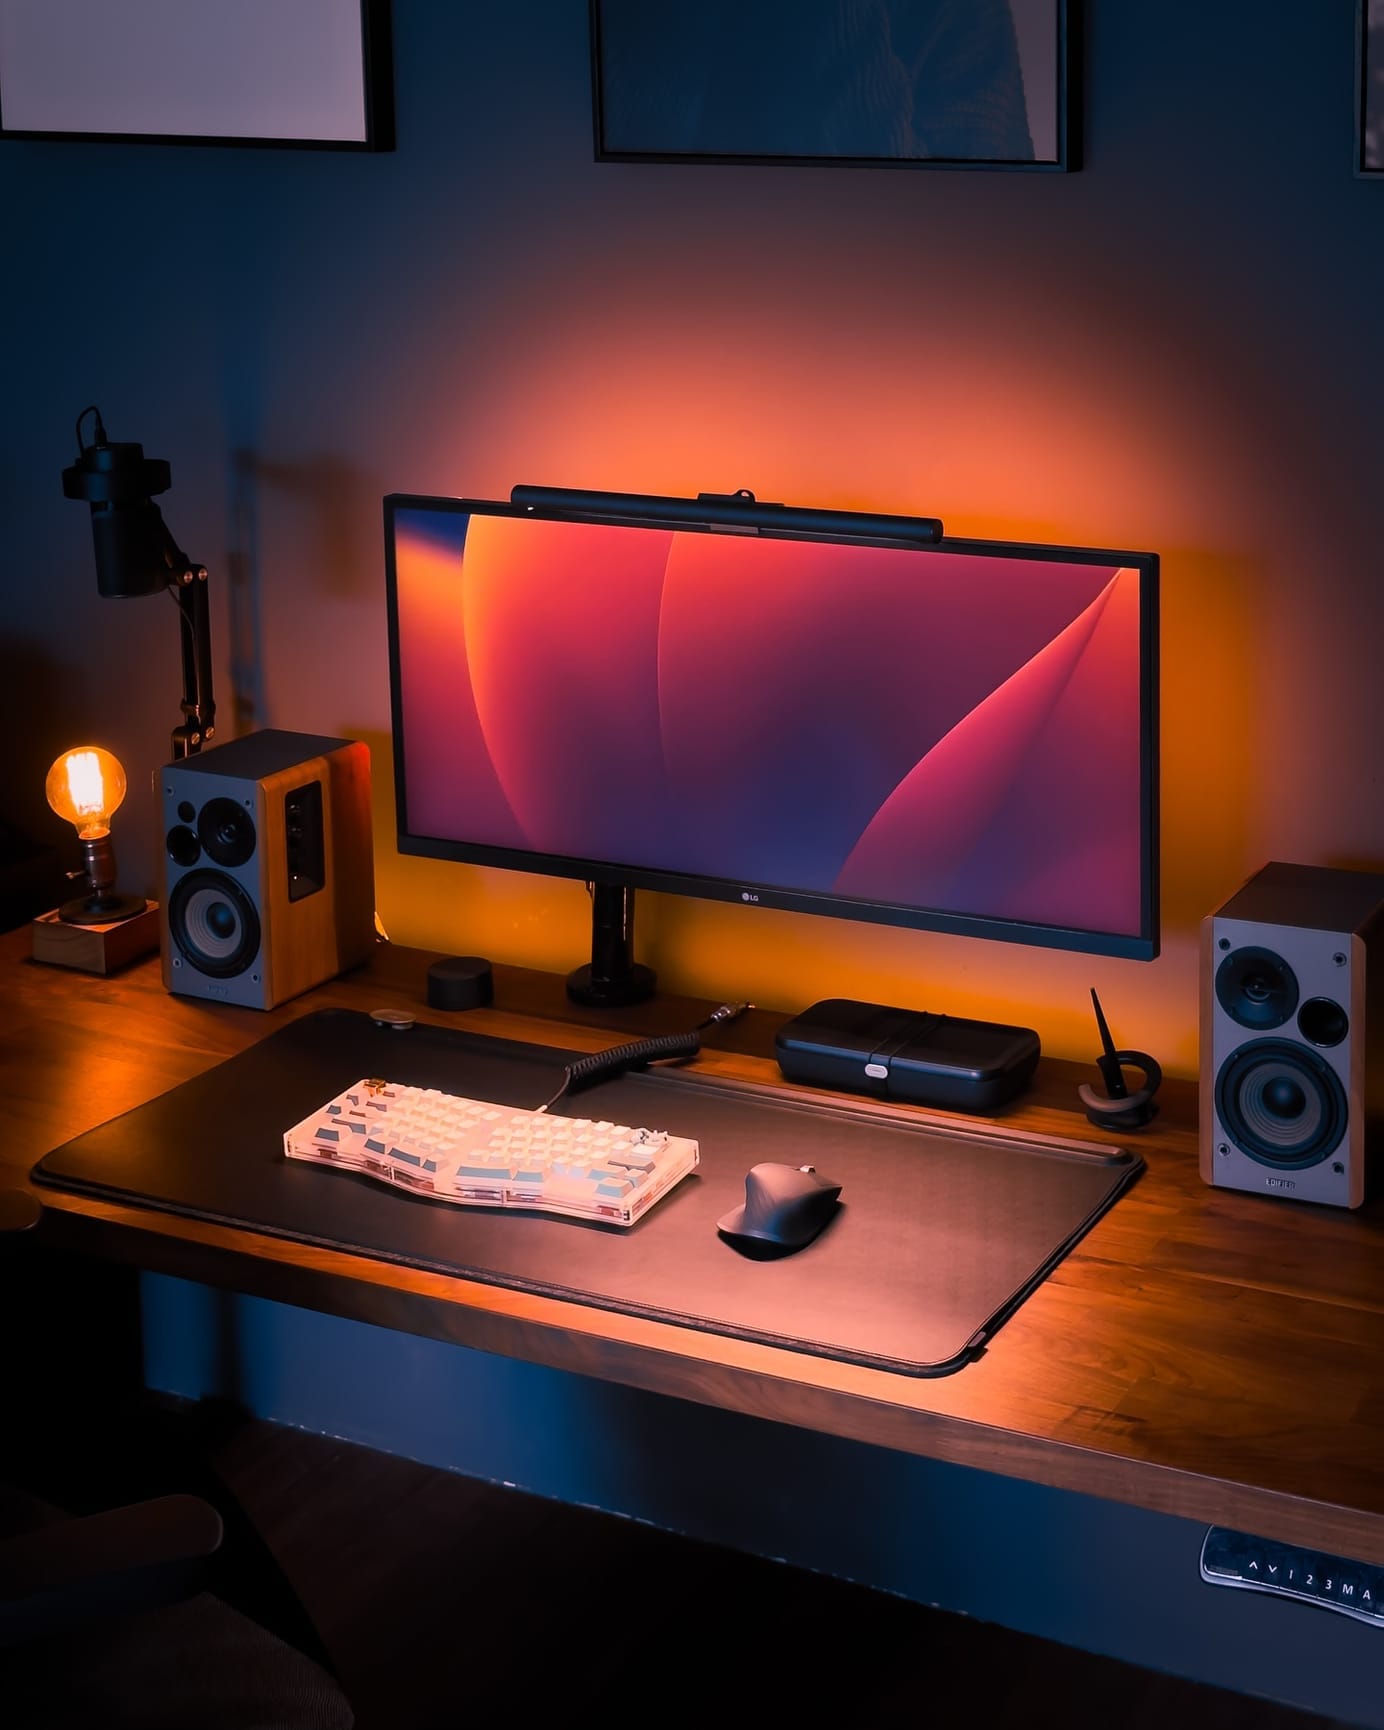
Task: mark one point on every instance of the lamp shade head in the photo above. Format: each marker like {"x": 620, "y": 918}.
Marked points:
{"x": 134, "y": 549}
{"x": 115, "y": 474}
{"x": 137, "y": 555}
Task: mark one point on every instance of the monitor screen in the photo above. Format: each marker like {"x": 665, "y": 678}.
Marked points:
{"x": 959, "y": 736}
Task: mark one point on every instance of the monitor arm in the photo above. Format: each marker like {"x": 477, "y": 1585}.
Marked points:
{"x": 614, "y": 977}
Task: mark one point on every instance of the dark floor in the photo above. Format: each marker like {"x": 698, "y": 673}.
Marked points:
{"x": 441, "y": 1601}
{"x": 444, "y": 1601}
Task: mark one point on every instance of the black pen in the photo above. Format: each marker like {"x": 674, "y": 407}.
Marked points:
{"x": 1109, "y": 1064}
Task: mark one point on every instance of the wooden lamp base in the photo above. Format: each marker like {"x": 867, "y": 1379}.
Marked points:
{"x": 96, "y": 948}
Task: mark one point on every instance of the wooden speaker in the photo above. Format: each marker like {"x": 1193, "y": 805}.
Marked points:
{"x": 1292, "y": 1034}
{"x": 268, "y": 867}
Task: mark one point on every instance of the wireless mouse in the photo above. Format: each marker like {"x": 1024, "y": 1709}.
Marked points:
{"x": 785, "y": 1208}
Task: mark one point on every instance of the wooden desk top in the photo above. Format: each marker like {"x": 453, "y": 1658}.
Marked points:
{"x": 1205, "y": 1353}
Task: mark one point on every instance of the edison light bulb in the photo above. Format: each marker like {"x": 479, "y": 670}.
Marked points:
{"x": 86, "y": 786}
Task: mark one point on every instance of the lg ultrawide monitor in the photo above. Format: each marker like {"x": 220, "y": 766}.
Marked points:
{"x": 957, "y": 736}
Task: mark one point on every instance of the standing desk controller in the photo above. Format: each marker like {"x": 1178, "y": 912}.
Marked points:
{"x": 1262, "y": 1565}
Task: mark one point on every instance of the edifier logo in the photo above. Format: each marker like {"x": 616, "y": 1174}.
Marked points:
{"x": 748, "y": 895}
{"x": 1279, "y": 1183}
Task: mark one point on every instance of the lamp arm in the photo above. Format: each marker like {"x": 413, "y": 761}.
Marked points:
{"x": 187, "y": 582}
{"x": 198, "y": 725}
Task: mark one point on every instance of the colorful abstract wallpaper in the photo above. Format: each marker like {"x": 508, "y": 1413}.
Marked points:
{"x": 956, "y": 733}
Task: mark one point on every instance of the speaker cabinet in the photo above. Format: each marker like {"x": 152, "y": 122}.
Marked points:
{"x": 268, "y": 868}
{"x": 1292, "y": 1034}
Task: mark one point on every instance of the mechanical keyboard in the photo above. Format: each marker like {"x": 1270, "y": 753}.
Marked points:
{"x": 478, "y": 1154}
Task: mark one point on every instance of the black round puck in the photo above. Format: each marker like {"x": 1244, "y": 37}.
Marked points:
{"x": 460, "y": 982}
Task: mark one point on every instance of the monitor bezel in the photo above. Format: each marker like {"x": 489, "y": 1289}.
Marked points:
{"x": 1143, "y": 946}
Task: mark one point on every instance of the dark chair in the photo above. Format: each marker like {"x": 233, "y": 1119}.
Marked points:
{"x": 137, "y": 1614}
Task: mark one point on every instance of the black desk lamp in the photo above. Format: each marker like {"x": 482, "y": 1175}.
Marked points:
{"x": 136, "y": 555}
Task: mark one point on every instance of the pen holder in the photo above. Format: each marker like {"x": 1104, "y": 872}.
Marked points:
{"x": 1133, "y": 1109}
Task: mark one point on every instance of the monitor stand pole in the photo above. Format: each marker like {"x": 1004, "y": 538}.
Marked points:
{"x": 613, "y": 978}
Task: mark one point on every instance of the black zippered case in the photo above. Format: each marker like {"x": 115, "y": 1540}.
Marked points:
{"x": 907, "y": 1055}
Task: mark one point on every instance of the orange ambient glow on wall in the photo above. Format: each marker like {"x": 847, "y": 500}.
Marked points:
{"x": 1017, "y": 430}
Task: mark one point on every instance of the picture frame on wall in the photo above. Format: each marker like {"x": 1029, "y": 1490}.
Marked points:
{"x": 976, "y": 84}
{"x": 313, "y": 74}
{"x": 1369, "y": 88}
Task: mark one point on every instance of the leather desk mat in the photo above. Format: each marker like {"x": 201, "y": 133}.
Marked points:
{"x": 942, "y": 1229}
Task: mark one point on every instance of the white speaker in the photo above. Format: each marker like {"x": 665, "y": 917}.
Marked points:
{"x": 1292, "y": 1034}
{"x": 268, "y": 867}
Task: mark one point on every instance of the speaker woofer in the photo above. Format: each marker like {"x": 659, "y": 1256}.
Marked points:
{"x": 1256, "y": 988}
{"x": 1281, "y": 1104}
{"x": 214, "y": 924}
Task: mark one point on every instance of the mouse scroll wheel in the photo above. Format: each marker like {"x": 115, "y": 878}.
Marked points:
{"x": 812, "y": 1169}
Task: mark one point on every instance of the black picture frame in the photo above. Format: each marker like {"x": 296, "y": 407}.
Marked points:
{"x": 652, "y": 69}
{"x": 35, "y": 45}
{"x": 1369, "y": 89}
